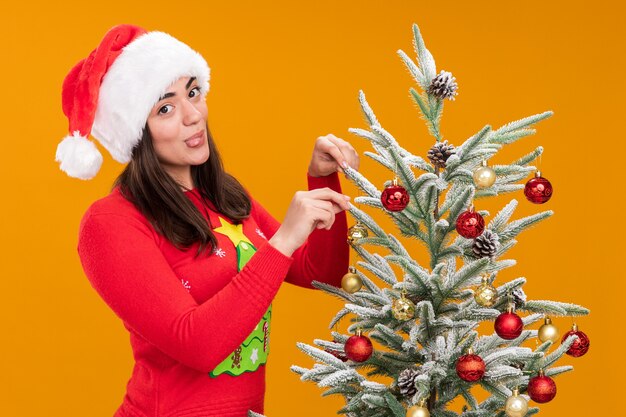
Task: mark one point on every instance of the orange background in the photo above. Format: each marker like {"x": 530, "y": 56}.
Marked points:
{"x": 284, "y": 73}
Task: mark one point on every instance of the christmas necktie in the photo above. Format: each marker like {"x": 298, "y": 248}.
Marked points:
{"x": 254, "y": 350}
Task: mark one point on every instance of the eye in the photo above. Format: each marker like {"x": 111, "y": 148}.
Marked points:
{"x": 194, "y": 92}
{"x": 165, "y": 109}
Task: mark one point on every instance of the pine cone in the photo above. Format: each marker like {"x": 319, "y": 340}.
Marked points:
{"x": 406, "y": 382}
{"x": 443, "y": 86}
{"x": 440, "y": 152}
{"x": 519, "y": 297}
{"x": 486, "y": 244}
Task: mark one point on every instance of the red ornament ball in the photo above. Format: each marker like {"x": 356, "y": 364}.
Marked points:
{"x": 358, "y": 348}
{"x": 395, "y": 197}
{"x": 470, "y": 224}
{"x": 470, "y": 367}
{"x": 580, "y": 345}
{"x": 541, "y": 388}
{"x": 538, "y": 190}
{"x": 509, "y": 325}
{"x": 337, "y": 354}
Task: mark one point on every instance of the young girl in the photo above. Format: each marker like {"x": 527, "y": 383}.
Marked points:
{"x": 179, "y": 250}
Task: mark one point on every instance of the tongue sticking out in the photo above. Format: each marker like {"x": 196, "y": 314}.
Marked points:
{"x": 192, "y": 143}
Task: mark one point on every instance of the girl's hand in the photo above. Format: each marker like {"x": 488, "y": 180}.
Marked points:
{"x": 309, "y": 210}
{"x": 330, "y": 154}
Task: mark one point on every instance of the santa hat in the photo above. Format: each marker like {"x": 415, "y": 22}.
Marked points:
{"x": 110, "y": 94}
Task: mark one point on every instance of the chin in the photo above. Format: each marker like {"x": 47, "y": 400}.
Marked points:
{"x": 201, "y": 160}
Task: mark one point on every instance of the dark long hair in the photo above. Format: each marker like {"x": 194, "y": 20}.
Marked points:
{"x": 160, "y": 199}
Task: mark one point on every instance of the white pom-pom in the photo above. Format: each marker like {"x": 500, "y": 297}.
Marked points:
{"x": 79, "y": 157}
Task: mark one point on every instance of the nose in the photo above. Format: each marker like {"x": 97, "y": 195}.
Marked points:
{"x": 191, "y": 114}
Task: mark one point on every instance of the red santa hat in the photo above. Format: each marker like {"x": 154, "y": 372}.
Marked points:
{"x": 110, "y": 94}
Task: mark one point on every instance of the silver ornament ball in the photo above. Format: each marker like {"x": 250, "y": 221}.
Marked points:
{"x": 516, "y": 405}
{"x": 484, "y": 176}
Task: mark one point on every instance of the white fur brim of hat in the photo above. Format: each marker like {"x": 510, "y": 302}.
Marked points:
{"x": 131, "y": 87}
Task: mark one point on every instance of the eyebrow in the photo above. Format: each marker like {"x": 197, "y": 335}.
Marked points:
{"x": 167, "y": 95}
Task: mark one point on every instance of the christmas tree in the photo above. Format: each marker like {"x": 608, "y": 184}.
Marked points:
{"x": 428, "y": 350}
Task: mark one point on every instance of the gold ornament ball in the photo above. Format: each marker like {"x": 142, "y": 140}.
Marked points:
{"x": 351, "y": 282}
{"x": 403, "y": 309}
{"x": 516, "y": 406}
{"x": 548, "y": 331}
{"x": 356, "y": 232}
{"x": 486, "y": 294}
{"x": 417, "y": 411}
{"x": 484, "y": 176}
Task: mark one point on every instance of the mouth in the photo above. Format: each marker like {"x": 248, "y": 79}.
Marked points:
{"x": 195, "y": 140}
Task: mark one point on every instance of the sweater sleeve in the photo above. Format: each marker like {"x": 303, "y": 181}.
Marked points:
{"x": 325, "y": 255}
{"x": 126, "y": 267}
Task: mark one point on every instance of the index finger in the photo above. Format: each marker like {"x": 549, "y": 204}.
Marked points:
{"x": 331, "y": 195}
{"x": 347, "y": 151}
{"x": 333, "y": 149}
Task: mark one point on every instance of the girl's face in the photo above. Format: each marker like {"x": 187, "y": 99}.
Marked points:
{"x": 177, "y": 124}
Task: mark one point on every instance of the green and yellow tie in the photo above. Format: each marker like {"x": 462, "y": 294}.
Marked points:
{"x": 253, "y": 352}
